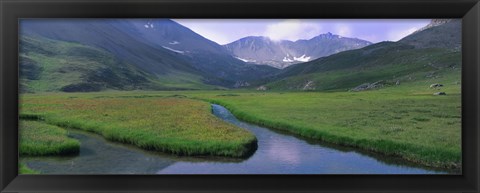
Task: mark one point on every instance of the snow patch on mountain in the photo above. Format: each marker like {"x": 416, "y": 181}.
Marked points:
{"x": 244, "y": 60}
{"x": 148, "y": 25}
{"x": 285, "y": 59}
{"x": 173, "y": 50}
{"x": 174, "y": 43}
{"x": 302, "y": 58}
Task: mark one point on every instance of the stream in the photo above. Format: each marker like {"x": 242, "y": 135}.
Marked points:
{"x": 277, "y": 153}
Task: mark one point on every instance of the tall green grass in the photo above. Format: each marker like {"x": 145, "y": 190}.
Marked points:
{"x": 40, "y": 139}
{"x": 425, "y": 155}
{"x": 173, "y": 125}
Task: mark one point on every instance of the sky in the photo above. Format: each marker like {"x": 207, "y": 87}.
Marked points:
{"x": 224, "y": 31}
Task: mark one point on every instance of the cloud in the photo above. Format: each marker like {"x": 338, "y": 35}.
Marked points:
{"x": 210, "y": 34}
{"x": 291, "y": 29}
{"x": 399, "y": 34}
{"x": 374, "y": 38}
{"x": 343, "y": 30}
{"x": 226, "y": 31}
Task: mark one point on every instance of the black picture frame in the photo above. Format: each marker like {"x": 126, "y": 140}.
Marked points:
{"x": 12, "y": 10}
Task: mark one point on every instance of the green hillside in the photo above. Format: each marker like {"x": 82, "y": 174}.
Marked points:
{"x": 50, "y": 65}
{"x": 424, "y": 55}
{"x": 390, "y": 63}
{"x": 189, "y": 63}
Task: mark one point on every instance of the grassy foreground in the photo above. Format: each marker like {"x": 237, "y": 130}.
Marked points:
{"x": 40, "y": 139}
{"x": 166, "y": 124}
{"x": 405, "y": 121}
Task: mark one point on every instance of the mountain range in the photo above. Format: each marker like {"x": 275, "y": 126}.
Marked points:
{"x": 144, "y": 54}
{"x": 81, "y": 55}
{"x": 283, "y": 53}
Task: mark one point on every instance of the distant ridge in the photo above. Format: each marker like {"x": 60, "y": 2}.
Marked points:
{"x": 283, "y": 53}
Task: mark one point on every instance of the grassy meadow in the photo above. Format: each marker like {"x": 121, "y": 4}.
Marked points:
{"x": 404, "y": 120}
{"x": 168, "y": 124}
{"x": 413, "y": 127}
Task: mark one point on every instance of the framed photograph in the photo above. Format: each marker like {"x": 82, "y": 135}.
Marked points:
{"x": 239, "y": 96}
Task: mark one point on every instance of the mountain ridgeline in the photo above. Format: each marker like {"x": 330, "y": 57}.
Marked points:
{"x": 85, "y": 55}
{"x": 71, "y": 55}
{"x": 283, "y": 53}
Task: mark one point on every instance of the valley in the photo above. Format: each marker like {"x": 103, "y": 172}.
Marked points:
{"x": 422, "y": 132}
{"x": 158, "y": 91}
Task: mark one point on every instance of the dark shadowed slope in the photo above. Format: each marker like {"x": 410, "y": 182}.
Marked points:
{"x": 114, "y": 36}
{"x": 213, "y": 60}
{"x": 53, "y": 65}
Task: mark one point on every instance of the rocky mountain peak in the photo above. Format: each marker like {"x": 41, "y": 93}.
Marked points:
{"x": 283, "y": 53}
{"x": 434, "y": 23}
{"x": 437, "y": 22}
{"x": 327, "y": 35}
